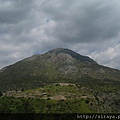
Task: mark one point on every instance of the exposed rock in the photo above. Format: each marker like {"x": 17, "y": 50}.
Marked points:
{"x": 61, "y": 57}
{"x": 58, "y": 97}
{"x": 67, "y": 69}
{"x": 65, "y": 84}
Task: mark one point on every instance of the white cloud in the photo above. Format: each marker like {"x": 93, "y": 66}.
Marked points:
{"x": 109, "y": 57}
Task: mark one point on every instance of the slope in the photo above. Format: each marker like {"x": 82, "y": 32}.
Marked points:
{"x": 57, "y": 65}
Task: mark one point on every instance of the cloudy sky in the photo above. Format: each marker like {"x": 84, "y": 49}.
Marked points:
{"x": 89, "y": 27}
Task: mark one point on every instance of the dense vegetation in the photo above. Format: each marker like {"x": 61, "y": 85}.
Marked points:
{"x": 63, "y": 98}
{"x": 22, "y": 105}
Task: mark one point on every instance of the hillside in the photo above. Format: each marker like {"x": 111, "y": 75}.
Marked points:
{"x": 57, "y": 65}
{"x": 59, "y": 98}
{"x": 58, "y": 80}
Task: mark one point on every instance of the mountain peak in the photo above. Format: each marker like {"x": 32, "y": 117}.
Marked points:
{"x": 67, "y": 54}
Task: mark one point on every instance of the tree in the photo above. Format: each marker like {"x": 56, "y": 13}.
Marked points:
{"x": 28, "y": 107}
{"x": 22, "y": 89}
{"x": 1, "y": 94}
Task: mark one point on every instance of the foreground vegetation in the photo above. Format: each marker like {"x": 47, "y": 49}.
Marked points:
{"x": 62, "y": 98}
{"x": 22, "y": 105}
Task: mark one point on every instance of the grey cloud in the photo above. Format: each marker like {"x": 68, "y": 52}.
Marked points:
{"x": 86, "y": 26}
{"x": 13, "y": 11}
{"x": 85, "y": 23}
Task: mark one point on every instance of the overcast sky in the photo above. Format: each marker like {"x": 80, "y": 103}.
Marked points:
{"x": 89, "y": 27}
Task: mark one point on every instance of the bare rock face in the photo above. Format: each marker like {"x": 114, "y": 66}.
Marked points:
{"x": 66, "y": 60}
{"x": 67, "y": 55}
{"x": 70, "y": 69}
{"x": 61, "y": 57}
{"x": 58, "y": 97}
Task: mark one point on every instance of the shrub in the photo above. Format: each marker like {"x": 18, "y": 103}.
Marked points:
{"x": 1, "y": 94}
{"x": 87, "y": 101}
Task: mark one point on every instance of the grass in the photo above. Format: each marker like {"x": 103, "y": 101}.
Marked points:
{"x": 53, "y": 88}
{"x": 20, "y": 105}
{"x": 84, "y": 98}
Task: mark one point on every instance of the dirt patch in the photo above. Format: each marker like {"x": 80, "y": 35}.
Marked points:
{"x": 58, "y": 97}
{"x": 65, "y": 84}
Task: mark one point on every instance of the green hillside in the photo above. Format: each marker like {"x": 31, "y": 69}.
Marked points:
{"x": 58, "y": 98}
{"x": 58, "y": 65}
{"x": 61, "y": 81}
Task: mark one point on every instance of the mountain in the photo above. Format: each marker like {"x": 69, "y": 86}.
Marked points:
{"x": 59, "y": 81}
{"x": 57, "y": 65}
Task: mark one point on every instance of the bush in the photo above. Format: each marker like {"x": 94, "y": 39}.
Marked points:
{"x": 48, "y": 98}
{"x": 1, "y": 94}
{"x": 87, "y": 101}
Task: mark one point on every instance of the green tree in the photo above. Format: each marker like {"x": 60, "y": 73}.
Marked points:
{"x": 1, "y": 94}
{"x": 28, "y": 107}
